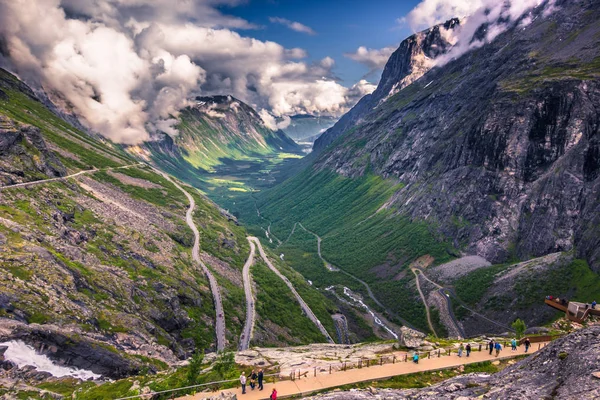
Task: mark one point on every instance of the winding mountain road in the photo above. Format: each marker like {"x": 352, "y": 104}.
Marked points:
{"x": 250, "y": 310}
{"x": 450, "y": 292}
{"x": 333, "y": 268}
{"x": 214, "y": 287}
{"x": 309, "y": 313}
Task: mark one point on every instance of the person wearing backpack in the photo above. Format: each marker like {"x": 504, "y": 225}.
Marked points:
{"x": 498, "y": 347}
{"x": 468, "y": 348}
{"x": 273, "y": 395}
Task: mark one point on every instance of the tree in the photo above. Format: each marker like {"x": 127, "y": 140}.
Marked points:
{"x": 195, "y": 367}
{"x": 519, "y": 327}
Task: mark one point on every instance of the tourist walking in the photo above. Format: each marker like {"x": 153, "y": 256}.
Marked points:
{"x": 491, "y": 346}
{"x": 594, "y": 304}
{"x": 273, "y": 395}
{"x": 498, "y": 347}
{"x": 260, "y": 379}
{"x": 513, "y": 344}
{"x": 243, "y": 382}
{"x": 527, "y": 344}
{"x": 468, "y": 349}
{"x": 461, "y": 348}
{"x": 416, "y": 358}
{"x": 253, "y": 377}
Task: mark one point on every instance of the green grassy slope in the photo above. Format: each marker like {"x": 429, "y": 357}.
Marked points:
{"x": 374, "y": 246}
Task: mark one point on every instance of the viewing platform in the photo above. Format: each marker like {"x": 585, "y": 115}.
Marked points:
{"x": 574, "y": 311}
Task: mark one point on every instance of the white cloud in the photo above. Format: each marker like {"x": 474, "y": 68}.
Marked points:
{"x": 129, "y": 66}
{"x": 271, "y": 122}
{"x": 372, "y": 58}
{"x": 293, "y": 25}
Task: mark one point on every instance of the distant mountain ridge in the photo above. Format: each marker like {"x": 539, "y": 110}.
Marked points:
{"x": 215, "y": 129}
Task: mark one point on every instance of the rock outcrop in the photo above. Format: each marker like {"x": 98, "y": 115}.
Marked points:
{"x": 24, "y": 155}
{"x": 566, "y": 369}
{"x": 411, "y": 338}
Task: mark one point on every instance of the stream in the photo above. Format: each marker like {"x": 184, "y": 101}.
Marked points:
{"x": 22, "y": 355}
{"x": 358, "y": 301}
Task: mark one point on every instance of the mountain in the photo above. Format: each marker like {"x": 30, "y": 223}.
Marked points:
{"x": 413, "y": 58}
{"x": 215, "y": 130}
{"x": 96, "y": 263}
{"x": 493, "y": 154}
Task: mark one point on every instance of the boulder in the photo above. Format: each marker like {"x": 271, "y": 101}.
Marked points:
{"x": 411, "y": 338}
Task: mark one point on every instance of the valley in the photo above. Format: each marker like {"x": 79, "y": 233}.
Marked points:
{"x": 180, "y": 226}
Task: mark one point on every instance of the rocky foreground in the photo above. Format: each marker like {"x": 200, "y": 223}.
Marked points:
{"x": 569, "y": 368}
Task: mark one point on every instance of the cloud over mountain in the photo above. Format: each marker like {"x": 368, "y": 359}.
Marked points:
{"x": 128, "y": 66}
{"x": 372, "y": 58}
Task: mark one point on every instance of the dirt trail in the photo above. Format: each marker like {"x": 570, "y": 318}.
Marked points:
{"x": 429, "y": 322}
{"x": 64, "y": 178}
{"x": 250, "y": 310}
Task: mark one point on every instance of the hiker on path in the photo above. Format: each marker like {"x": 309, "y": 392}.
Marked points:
{"x": 243, "y": 382}
{"x": 273, "y": 395}
{"x": 468, "y": 349}
{"x": 527, "y": 344}
{"x": 498, "y": 347}
{"x": 260, "y": 379}
{"x": 513, "y": 344}
{"x": 416, "y": 358}
{"x": 594, "y": 304}
{"x": 461, "y": 348}
{"x": 491, "y": 346}
{"x": 253, "y": 377}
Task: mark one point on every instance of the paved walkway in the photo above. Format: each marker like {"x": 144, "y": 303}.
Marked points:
{"x": 323, "y": 380}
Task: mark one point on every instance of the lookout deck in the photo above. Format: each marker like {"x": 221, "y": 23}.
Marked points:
{"x": 574, "y": 311}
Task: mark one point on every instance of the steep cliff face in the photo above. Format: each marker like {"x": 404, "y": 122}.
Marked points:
{"x": 413, "y": 58}
{"x": 219, "y": 128}
{"x": 499, "y": 148}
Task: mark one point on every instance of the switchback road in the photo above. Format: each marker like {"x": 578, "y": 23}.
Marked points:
{"x": 250, "y": 310}
{"x": 214, "y": 287}
{"x": 309, "y": 313}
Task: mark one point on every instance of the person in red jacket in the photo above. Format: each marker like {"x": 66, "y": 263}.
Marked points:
{"x": 273, "y": 395}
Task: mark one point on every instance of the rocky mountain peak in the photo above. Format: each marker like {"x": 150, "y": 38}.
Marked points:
{"x": 414, "y": 57}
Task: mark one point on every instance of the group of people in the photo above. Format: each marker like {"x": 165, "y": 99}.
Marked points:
{"x": 495, "y": 345}
{"x": 255, "y": 377}
{"x": 462, "y": 348}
